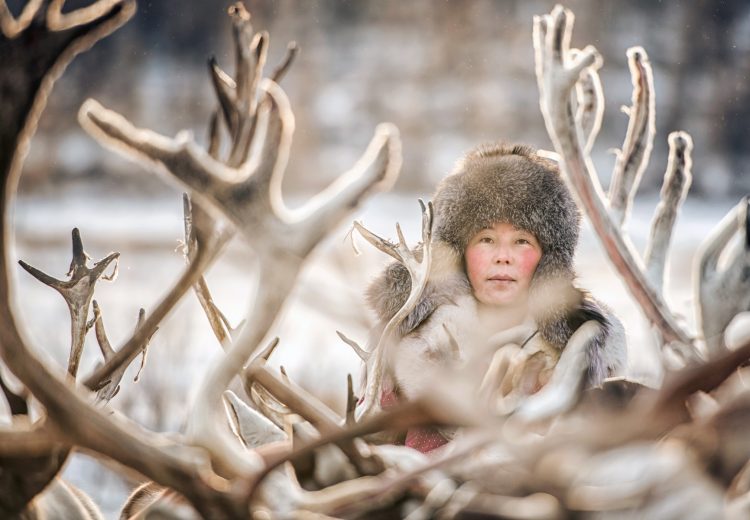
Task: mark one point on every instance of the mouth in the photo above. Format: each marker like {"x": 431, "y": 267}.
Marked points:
{"x": 501, "y": 278}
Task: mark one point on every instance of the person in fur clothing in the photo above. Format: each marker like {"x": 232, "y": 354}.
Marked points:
{"x": 504, "y": 237}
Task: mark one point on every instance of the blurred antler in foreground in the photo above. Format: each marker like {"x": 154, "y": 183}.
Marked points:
{"x": 680, "y": 452}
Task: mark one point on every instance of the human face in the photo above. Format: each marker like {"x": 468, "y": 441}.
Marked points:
{"x": 500, "y": 263}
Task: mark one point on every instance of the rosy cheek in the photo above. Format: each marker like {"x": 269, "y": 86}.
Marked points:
{"x": 476, "y": 265}
{"x": 527, "y": 262}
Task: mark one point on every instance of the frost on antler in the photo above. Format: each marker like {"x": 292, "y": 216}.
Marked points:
{"x": 246, "y": 190}
{"x": 676, "y": 184}
{"x": 636, "y": 150}
{"x": 559, "y": 69}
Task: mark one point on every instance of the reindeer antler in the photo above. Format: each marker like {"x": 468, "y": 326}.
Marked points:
{"x": 558, "y": 70}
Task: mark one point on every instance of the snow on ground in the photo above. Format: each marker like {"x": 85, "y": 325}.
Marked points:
{"x": 328, "y": 298}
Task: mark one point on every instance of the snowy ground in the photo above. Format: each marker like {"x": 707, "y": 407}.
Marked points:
{"x": 328, "y": 298}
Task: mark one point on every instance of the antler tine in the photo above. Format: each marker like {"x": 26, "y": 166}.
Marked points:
{"x": 401, "y": 239}
{"x": 242, "y": 31}
{"x": 77, "y": 293}
{"x": 590, "y": 106}
{"x": 12, "y": 27}
{"x": 427, "y": 220}
{"x": 382, "y": 244}
{"x": 376, "y": 170}
{"x": 259, "y": 51}
{"x": 722, "y": 293}
{"x": 198, "y": 226}
{"x": 224, "y": 87}
{"x": 553, "y": 74}
{"x": 101, "y": 335}
{"x": 419, "y": 270}
{"x": 307, "y": 406}
{"x": 139, "y": 324}
{"x": 180, "y": 156}
{"x": 676, "y": 184}
{"x": 266, "y": 352}
{"x": 112, "y": 385}
{"x": 133, "y": 346}
{"x": 636, "y": 150}
{"x": 292, "y": 50}
{"x": 247, "y": 103}
{"x": 559, "y": 38}
{"x": 361, "y": 353}
{"x": 79, "y": 256}
{"x": 351, "y": 402}
{"x": 264, "y": 183}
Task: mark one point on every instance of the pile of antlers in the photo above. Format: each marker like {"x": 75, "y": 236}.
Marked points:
{"x": 622, "y": 450}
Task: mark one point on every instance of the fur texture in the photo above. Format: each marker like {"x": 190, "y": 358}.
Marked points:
{"x": 510, "y": 183}
{"x": 498, "y": 183}
{"x": 446, "y": 284}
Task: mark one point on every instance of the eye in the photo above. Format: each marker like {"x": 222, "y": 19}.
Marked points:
{"x": 522, "y": 241}
{"x": 485, "y": 240}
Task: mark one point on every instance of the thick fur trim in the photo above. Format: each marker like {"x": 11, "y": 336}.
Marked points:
{"x": 510, "y": 183}
{"x": 390, "y": 290}
{"x": 558, "y": 308}
{"x": 606, "y": 352}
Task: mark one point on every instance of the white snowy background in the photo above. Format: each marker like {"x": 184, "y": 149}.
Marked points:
{"x": 449, "y": 77}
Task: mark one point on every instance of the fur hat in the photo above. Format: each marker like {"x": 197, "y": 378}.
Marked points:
{"x": 510, "y": 183}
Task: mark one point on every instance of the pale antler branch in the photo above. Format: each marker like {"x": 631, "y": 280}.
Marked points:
{"x": 77, "y": 293}
{"x": 196, "y": 218}
{"x": 133, "y": 346}
{"x": 676, "y": 184}
{"x": 419, "y": 270}
{"x": 308, "y": 407}
{"x": 590, "y": 106}
{"x": 636, "y": 150}
{"x": 556, "y": 78}
{"x": 723, "y": 292}
{"x": 112, "y": 386}
{"x": 292, "y": 50}
{"x": 361, "y": 353}
{"x": 12, "y": 27}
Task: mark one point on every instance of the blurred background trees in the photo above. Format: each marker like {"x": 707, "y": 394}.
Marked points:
{"x": 448, "y": 74}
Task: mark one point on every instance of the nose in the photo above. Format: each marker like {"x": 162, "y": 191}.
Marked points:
{"x": 503, "y": 255}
